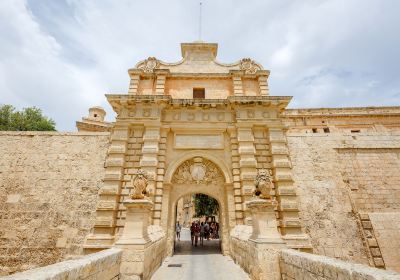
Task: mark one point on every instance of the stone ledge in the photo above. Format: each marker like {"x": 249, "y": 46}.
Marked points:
{"x": 298, "y": 265}
{"x": 101, "y": 265}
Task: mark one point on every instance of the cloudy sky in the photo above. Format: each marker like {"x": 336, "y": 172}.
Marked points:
{"x": 63, "y": 56}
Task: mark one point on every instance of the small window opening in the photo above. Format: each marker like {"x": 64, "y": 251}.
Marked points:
{"x": 314, "y": 130}
{"x": 199, "y": 93}
{"x": 355, "y": 131}
{"x": 95, "y": 115}
{"x": 326, "y": 129}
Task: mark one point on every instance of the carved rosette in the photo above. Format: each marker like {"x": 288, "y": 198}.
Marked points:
{"x": 198, "y": 171}
{"x": 249, "y": 66}
{"x": 139, "y": 185}
{"x": 149, "y": 65}
{"x": 263, "y": 184}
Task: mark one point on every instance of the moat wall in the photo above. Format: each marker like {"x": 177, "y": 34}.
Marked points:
{"x": 349, "y": 194}
{"x": 48, "y": 195}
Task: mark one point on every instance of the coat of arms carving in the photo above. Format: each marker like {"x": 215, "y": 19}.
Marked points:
{"x": 198, "y": 171}
{"x": 249, "y": 66}
{"x": 149, "y": 64}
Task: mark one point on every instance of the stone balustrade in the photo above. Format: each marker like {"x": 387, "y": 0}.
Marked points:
{"x": 103, "y": 265}
{"x": 298, "y": 265}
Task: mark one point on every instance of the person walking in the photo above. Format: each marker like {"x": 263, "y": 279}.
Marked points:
{"x": 196, "y": 233}
{"x": 207, "y": 231}
{"x": 192, "y": 232}
{"x": 202, "y": 233}
{"x": 178, "y": 229}
{"x": 213, "y": 230}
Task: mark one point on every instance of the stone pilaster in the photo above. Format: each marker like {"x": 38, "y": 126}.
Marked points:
{"x": 134, "y": 83}
{"x": 247, "y": 163}
{"x": 263, "y": 84}
{"x": 237, "y": 84}
{"x": 159, "y": 188}
{"x": 160, "y": 84}
{"x": 237, "y": 186}
{"x": 149, "y": 163}
{"x": 109, "y": 195}
{"x": 285, "y": 191}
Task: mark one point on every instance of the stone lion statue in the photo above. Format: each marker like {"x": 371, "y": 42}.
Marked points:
{"x": 139, "y": 184}
{"x": 263, "y": 184}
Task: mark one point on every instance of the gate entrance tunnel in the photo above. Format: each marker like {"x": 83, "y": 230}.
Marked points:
{"x": 197, "y": 225}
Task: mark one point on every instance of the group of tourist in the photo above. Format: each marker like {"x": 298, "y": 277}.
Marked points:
{"x": 200, "y": 231}
{"x": 203, "y": 230}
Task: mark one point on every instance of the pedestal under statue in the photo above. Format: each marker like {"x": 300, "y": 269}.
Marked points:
{"x": 265, "y": 227}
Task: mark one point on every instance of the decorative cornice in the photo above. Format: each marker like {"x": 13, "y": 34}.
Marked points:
{"x": 118, "y": 101}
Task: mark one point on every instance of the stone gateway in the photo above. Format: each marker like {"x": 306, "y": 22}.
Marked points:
{"x": 299, "y": 190}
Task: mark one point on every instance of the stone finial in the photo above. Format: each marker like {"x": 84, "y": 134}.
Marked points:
{"x": 263, "y": 184}
{"x": 139, "y": 185}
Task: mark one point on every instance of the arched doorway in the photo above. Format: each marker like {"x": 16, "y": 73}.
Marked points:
{"x": 205, "y": 211}
{"x": 198, "y": 172}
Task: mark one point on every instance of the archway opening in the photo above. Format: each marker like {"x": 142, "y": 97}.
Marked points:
{"x": 198, "y": 225}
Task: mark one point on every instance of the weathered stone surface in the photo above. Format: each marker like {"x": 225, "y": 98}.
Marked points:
{"x": 325, "y": 165}
{"x": 297, "y": 265}
{"x": 48, "y": 193}
{"x": 104, "y": 265}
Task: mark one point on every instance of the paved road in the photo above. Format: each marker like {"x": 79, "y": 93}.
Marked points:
{"x": 202, "y": 262}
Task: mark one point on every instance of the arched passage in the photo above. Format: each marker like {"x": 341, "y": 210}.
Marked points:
{"x": 197, "y": 173}
{"x": 185, "y": 244}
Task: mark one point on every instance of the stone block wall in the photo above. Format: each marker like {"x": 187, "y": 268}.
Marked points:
{"x": 49, "y": 185}
{"x": 260, "y": 260}
{"x": 296, "y": 265}
{"x": 342, "y": 177}
{"x": 140, "y": 262}
{"x": 103, "y": 265}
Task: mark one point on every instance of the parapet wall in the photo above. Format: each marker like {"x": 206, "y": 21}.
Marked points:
{"x": 48, "y": 194}
{"x": 297, "y": 265}
{"x": 349, "y": 194}
{"x": 103, "y": 265}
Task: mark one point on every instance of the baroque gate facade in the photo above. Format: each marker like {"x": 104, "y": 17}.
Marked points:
{"x": 197, "y": 114}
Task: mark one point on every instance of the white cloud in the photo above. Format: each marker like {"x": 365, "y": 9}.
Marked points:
{"x": 62, "y": 56}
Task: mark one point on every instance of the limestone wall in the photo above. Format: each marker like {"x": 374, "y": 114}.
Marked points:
{"x": 103, "y": 265}
{"x": 343, "y": 181}
{"x": 141, "y": 261}
{"x": 260, "y": 260}
{"x": 48, "y": 194}
{"x": 298, "y": 265}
